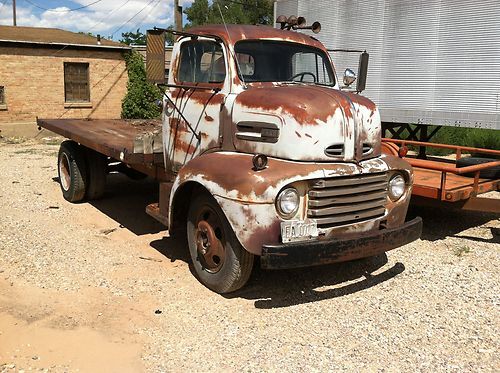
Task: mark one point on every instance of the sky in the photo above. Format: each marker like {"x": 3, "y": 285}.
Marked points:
{"x": 109, "y": 18}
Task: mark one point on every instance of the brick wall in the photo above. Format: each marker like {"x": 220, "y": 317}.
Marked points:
{"x": 34, "y": 83}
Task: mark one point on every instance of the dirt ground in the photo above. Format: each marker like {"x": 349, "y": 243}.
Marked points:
{"x": 101, "y": 287}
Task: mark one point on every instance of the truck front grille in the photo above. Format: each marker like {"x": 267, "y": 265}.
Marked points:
{"x": 346, "y": 200}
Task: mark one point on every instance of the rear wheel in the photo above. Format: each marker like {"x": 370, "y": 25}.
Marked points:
{"x": 97, "y": 164}
{"x": 72, "y": 170}
{"x": 219, "y": 260}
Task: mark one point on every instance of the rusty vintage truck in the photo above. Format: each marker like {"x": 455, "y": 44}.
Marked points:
{"x": 261, "y": 154}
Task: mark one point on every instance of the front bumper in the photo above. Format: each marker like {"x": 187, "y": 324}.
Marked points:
{"x": 318, "y": 252}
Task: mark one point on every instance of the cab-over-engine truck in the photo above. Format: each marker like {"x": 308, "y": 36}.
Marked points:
{"x": 260, "y": 154}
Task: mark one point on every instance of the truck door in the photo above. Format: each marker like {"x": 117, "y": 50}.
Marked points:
{"x": 199, "y": 67}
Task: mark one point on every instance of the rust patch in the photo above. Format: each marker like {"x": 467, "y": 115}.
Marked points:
{"x": 361, "y": 100}
{"x": 235, "y": 33}
{"x": 307, "y": 135}
{"x": 208, "y": 118}
{"x": 262, "y": 235}
{"x": 308, "y": 105}
{"x": 233, "y": 172}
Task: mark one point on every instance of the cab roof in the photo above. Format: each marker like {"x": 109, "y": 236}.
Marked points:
{"x": 236, "y": 33}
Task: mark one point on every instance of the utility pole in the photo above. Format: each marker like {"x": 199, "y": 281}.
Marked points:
{"x": 177, "y": 15}
{"x": 14, "y": 12}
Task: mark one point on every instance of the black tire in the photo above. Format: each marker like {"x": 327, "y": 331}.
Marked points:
{"x": 490, "y": 173}
{"x": 226, "y": 266}
{"x": 72, "y": 170}
{"x": 97, "y": 165}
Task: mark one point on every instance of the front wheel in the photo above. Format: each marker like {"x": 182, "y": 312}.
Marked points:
{"x": 219, "y": 260}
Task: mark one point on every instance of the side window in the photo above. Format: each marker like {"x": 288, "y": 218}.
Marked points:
{"x": 201, "y": 61}
{"x": 76, "y": 82}
{"x": 2, "y": 95}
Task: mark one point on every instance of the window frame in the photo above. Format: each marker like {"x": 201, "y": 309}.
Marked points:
{"x": 79, "y": 101}
{"x": 318, "y": 51}
{"x": 3, "y": 100}
{"x": 176, "y": 72}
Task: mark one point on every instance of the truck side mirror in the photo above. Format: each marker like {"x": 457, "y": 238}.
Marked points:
{"x": 155, "y": 56}
{"x": 349, "y": 77}
{"x": 362, "y": 72}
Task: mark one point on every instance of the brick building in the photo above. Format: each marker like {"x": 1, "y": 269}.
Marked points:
{"x": 52, "y": 73}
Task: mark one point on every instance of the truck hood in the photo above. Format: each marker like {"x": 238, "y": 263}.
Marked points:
{"x": 305, "y": 122}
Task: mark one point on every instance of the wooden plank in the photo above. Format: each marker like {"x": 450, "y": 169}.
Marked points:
{"x": 112, "y": 137}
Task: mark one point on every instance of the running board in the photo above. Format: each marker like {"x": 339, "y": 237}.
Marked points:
{"x": 153, "y": 210}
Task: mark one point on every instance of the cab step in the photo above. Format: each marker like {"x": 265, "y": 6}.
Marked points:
{"x": 153, "y": 210}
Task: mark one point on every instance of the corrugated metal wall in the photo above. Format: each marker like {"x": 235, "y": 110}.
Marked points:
{"x": 432, "y": 61}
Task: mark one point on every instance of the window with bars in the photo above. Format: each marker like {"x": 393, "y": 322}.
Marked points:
{"x": 2, "y": 95}
{"x": 76, "y": 82}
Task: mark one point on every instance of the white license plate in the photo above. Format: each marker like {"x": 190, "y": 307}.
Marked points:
{"x": 298, "y": 230}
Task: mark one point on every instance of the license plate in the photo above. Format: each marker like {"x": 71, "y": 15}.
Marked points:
{"x": 298, "y": 230}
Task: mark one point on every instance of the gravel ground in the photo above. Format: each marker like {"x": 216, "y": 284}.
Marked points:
{"x": 101, "y": 287}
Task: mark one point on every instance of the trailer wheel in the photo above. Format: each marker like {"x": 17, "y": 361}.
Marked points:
{"x": 489, "y": 173}
{"x": 219, "y": 261}
{"x": 72, "y": 171}
{"x": 97, "y": 164}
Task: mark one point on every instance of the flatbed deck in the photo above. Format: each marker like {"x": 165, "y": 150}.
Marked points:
{"x": 427, "y": 183}
{"x": 135, "y": 142}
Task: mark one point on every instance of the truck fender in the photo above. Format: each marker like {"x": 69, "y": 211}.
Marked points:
{"x": 247, "y": 196}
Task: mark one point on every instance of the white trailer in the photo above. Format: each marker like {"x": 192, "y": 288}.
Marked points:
{"x": 431, "y": 62}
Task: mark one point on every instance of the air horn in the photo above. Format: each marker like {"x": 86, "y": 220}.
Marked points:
{"x": 297, "y": 23}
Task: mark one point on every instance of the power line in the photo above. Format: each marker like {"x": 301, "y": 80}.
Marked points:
{"x": 3, "y": 3}
{"x": 131, "y": 18}
{"x": 62, "y": 11}
{"x": 107, "y": 15}
{"x": 147, "y": 14}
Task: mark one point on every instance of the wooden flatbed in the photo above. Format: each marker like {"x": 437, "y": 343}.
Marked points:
{"x": 135, "y": 142}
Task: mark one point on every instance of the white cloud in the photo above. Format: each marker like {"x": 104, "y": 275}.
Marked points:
{"x": 104, "y": 17}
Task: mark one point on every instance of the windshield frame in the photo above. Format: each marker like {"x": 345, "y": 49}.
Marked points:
{"x": 322, "y": 53}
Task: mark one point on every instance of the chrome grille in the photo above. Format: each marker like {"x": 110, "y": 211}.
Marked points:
{"x": 347, "y": 200}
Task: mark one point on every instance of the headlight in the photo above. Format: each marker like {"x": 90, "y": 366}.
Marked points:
{"x": 288, "y": 202}
{"x": 396, "y": 187}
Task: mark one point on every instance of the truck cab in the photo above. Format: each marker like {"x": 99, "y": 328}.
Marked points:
{"x": 270, "y": 158}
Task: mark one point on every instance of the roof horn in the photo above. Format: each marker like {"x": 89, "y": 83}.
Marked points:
{"x": 297, "y": 23}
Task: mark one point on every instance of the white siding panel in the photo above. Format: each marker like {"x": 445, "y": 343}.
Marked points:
{"x": 431, "y": 61}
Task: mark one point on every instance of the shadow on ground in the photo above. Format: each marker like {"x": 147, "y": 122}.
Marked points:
{"x": 125, "y": 202}
{"x": 284, "y": 288}
{"x": 441, "y": 222}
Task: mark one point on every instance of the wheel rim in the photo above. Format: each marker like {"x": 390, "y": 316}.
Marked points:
{"x": 64, "y": 171}
{"x": 210, "y": 243}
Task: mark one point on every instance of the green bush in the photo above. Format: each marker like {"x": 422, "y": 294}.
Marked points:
{"x": 473, "y": 137}
{"x": 139, "y": 102}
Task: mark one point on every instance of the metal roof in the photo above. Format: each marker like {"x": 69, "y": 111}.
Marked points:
{"x": 53, "y": 36}
{"x": 234, "y": 33}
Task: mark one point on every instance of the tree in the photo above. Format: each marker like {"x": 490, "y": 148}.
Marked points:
{"x": 139, "y": 102}
{"x": 131, "y": 37}
{"x": 251, "y": 12}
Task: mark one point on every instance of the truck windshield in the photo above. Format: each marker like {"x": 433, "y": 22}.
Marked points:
{"x": 277, "y": 61}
